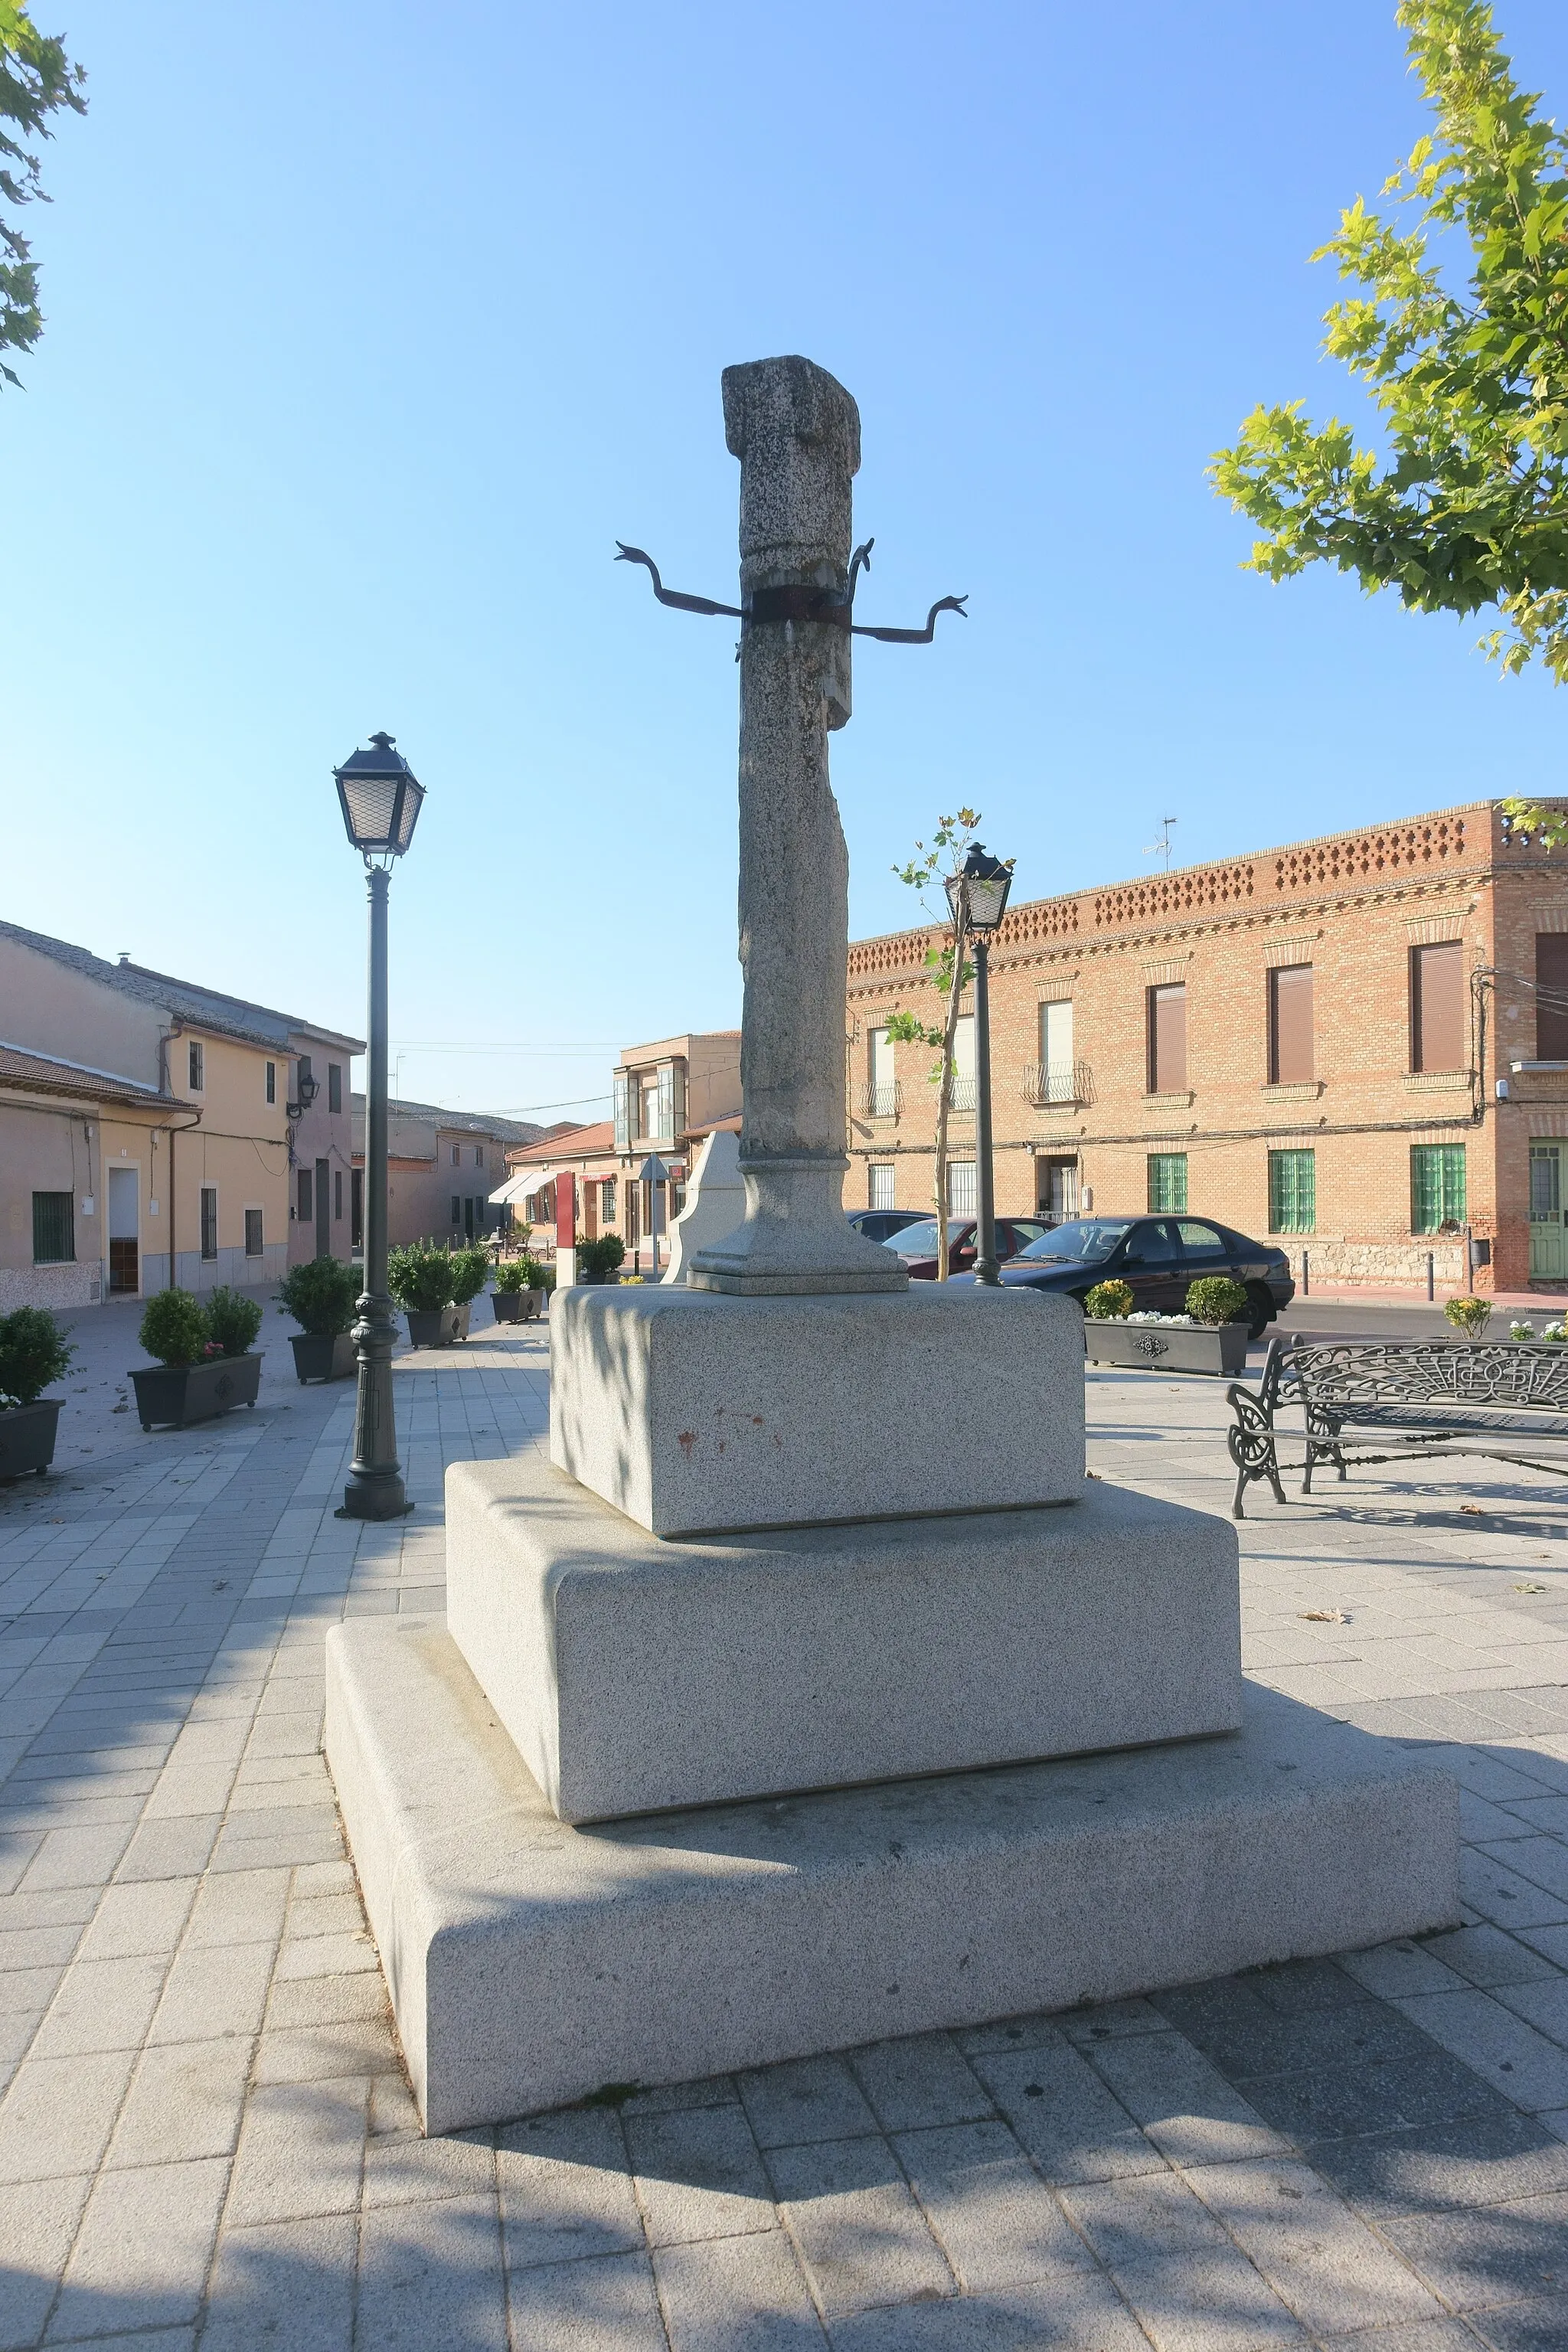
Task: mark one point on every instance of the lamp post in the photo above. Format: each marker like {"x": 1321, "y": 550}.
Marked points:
{"x": 381, "y": 801}
{"x": 977, "y": 895}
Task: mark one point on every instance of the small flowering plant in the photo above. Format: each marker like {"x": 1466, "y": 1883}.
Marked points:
{"x": 1522, "y": 1331}
{"x": 1556, "y": 1332}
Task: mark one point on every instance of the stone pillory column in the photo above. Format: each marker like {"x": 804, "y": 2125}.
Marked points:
{"x": 796, "y": 433}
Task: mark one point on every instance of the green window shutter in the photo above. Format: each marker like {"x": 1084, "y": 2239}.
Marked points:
{"x": 1437, "y": 1192}
{"x": 1292, "y": 1191}
{"x": 54, "y": 1228}
{"x": 1168, "y": 1180}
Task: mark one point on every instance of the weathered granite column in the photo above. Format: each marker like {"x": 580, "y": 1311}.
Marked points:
{"x": 796, "y": 433}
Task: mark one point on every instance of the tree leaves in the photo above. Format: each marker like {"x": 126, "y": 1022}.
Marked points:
{"x": 37, "y": 78}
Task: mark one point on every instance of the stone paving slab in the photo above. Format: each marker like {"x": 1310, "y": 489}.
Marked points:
{"x": 206, "y": 2136}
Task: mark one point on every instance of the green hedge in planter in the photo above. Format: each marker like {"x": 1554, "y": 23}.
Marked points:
{"x": 470, "y": 1272}
{"x": 511, "y": 1275}
{"x": 33, "y": 1352}
{"x": 172, "y": 1328}
{"x": 321, "y": 1296}
{"x": 233, "y": 1321}
{"x": 419, "y": 1276}
{"x": 597, "y": 1258}
{"x": 1214, "y": 1298}
{"x": 1108, "y": 1301}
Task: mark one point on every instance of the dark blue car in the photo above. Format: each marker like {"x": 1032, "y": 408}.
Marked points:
{"x": 1157, "y": 1258}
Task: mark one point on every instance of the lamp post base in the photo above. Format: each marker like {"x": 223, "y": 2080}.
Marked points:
{"x": 374, "y": 1498}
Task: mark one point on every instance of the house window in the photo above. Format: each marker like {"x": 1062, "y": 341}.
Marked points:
{"x": 253, "y": 1232}
{"x": 457, "y": 1155}
{"x": 649, "y": 1099}
{"x": 54, "y": 1228}
{"x": 882, "y": 1097}
{"x": 457, "y": 1210}
{"x": 961, "y": 1188}
{"x": 1437, "y": 1009}
{"x": 337, "y": 1195}
{"x": 196, "y": 1065}
{"x": 479, "y": 1155}
{"x": 334, "y": 1085}
{"x": 305, "y": 1207}
{"x": 879, "y": 1192}
{"x": 209, "y": 1221}
{"x": 1167, "y": 1178}
{"x": 1292, "y": 1191}
{"x": 272, "y": 1082}
{"x": 1055, "y": 1052}
{"x": 356, "y": 1209}
{"x": 963, "y": 1063}
{"x": 1167, "y": 1030}
{"x": 1551, "y": 996}
{"x": 1437, "y": 1186}
{"x": 1290, "y": 1034}
{"x": 608, "y": 1200}
{"x": 621, "y": 1094}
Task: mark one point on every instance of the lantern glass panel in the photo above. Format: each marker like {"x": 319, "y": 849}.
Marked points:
{"x": 987, "y": 900}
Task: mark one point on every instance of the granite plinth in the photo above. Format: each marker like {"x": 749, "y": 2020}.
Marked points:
{"x": 636, "y": 1674}
{"x": 693, "y": 1413}
{"x": 531, "y": 1964}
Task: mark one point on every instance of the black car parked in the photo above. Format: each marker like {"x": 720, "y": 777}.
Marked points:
{"x": 881, "y": 1225}
{"x": 1157, "y": 1258}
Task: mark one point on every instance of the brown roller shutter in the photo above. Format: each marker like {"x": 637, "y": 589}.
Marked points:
{"x": 1438, "y": 1006}
{"x": 1168, "y": 1040}
{"x": 1290, "y": 1025}
{"x": 1552, "y": 999}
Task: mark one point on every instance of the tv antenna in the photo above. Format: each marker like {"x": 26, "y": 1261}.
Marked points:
{"x": 1162, "y": 848}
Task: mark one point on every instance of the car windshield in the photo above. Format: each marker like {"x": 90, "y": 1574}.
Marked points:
{"x": 1085, "y": 1241}
{"x": 920, "y": 1241}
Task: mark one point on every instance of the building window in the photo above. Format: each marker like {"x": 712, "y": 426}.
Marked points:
{"x": 879, "y": 1192}
{"x": 253, "y": 1232}
{"x": 337, "y": 1196}
{"x": 621, "y": 1096}
{"x": 1055, "y": 1190}
{"x": 356, "y": 1209}
{"x": 1167, "y": 1034}
{"x": 304, "y": 1202}
{"x": 479, "y": 1155}
{"x": 196, "y": 1064}
{"x": 1438, "y": 1024}
{"x": 961, "y": 1188}
{"x": 272, "y": 1082}
{"x": 1437, "y": 1186}
{"x": 209, "y": 1221}
{"x": 1551, "y": 996}
{"x": 54, "y": 1228}
{"x": 1055, "y": 1052}
{"x": 882, "y": 1091}
{"x": 1292, "y": 1191}
{"x": 457, "y": 1210}
{"x": 648, "y": 1097}
{"x": 334, "y": 1085}
{"x": 608, "y": 1200}
{"x": 666, "y": 1101}
{"x": 1167, "y": 1178}
{"x": 1291, "y": 1032}
{"x": 457, "y": 1155}
{"x": 963, "y": 1063}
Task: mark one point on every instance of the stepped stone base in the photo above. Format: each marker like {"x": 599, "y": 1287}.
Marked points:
{"x": 636, "y": 1676}
{"x": 529, "y": 1963}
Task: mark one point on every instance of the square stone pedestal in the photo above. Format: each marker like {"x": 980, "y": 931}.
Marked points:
{"x": 636, "y": 1676}
{"x": 531, "y": 1964}
{"x": 693, "y": 1413}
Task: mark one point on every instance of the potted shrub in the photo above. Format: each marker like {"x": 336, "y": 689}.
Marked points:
{"x": 600, "y": 1260}
{"x": 510, "y": 1298}
{"x": 419, "y": 1276}
{"x": 470, "y": 1272}
{"x": 1211, "y": 1337}
{"x": 321, "y": 1296}
{"x": 33, "y": 1352}
{"x": 204, "y": 1366}
{"x": 539, "y": 1283}
{"x": 1470, "y": 1317}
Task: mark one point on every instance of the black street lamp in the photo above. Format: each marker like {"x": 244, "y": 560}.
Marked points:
{"x": 977, "y": 895}
{"x": 381, "y": 801}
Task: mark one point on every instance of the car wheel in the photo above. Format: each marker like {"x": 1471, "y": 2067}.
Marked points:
{"x": 1261, "y": 1311}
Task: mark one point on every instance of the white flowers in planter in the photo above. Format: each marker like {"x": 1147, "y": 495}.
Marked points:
{"x": 1148, "y": 1315}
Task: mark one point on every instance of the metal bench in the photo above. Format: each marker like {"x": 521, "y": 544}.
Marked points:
{"x": 1435, "y": 1396}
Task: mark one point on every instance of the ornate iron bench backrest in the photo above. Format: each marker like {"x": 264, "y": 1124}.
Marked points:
{"x": 1340, "y": 1375}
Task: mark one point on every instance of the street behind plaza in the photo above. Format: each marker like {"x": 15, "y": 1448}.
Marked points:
{"x": 207, "y": 2135}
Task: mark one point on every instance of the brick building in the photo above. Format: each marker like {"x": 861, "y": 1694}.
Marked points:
{"x": 1357, "y": 1044}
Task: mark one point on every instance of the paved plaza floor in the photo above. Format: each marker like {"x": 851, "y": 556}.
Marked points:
{"x": 206, "y": 2135}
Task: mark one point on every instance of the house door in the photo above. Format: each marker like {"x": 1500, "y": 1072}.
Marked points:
{"x": 124, "y": 1241}
{"x": 1547, "y": 1235}
{"x": 323, "y": 1209}
{"x": 1055, "y": 1190}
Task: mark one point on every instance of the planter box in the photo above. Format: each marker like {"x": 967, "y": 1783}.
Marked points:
{"x": 319, "y": 1358}
{"x": 177, "y": 1394}
{"x": 28, "y": 1437}
{"x": 1168, "y": 1347}
{"x": 459, "y": 1316}
{"x": 431, "y": 1327}
{"x": 517, "y": 1306}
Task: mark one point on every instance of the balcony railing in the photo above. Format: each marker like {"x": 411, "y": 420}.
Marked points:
{"x": 1047, "y": 1084}
{"x": 964, "y": 1094}
{"x": 884, "y": 1100}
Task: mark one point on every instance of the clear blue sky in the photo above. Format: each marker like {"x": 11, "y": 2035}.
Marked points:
{"x": 371, "y": 329}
